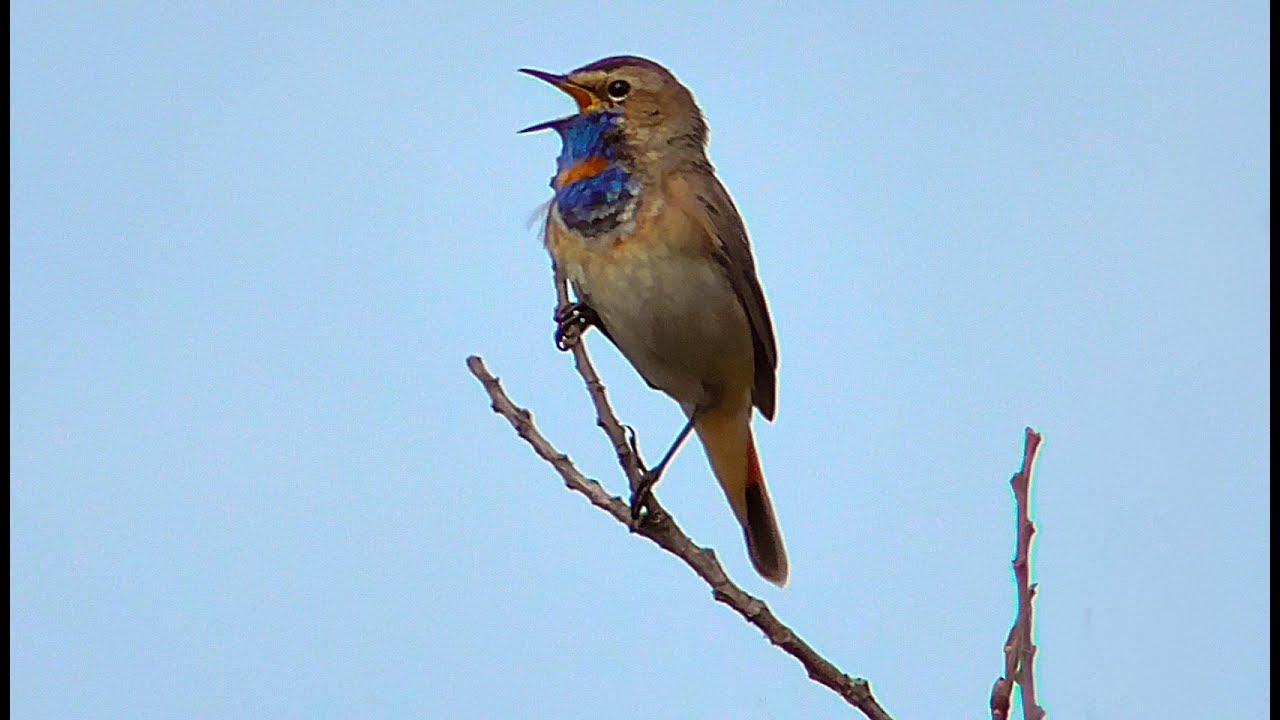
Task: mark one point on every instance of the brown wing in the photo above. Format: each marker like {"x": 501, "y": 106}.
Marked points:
{"x": 716, "y": 209}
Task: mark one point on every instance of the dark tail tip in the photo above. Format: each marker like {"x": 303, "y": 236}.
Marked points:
{"x": 764, "y": 539}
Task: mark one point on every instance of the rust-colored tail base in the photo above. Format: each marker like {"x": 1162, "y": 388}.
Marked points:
{"x": 764, "y": 539}
{"x": 725, "y": 433}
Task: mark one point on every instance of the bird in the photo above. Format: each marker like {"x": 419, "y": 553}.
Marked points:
{"x": 659, "y": 261}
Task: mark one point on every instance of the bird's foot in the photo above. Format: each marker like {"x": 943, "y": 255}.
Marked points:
{"x": 643, "y": 493}
{"x": 572, "y": 320}
{"x": 640, "y": 509}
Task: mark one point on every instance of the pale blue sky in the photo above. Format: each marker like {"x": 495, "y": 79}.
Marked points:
{"x": 251, "y": 247}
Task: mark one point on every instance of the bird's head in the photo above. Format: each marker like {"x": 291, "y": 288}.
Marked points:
{"x": 657, "y": 117}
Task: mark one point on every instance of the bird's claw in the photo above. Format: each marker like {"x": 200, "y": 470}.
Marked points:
{"x": 572, "y": 320}
{"x": 644, "y": 491}
{"x": 640, "y": 510}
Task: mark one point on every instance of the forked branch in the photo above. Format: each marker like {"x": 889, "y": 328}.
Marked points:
{"x": 659, "y": 527}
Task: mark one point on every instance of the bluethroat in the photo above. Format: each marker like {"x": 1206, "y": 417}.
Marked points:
{"x": 659, "y": 260}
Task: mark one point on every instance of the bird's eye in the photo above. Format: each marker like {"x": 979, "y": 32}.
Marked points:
{"x": 618, "y": 89}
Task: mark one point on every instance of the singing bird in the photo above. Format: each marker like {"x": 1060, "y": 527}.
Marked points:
{"x": 659, "y": 260}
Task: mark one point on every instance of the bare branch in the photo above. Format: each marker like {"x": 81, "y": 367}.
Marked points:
{"x": 661, "y": 528}
{"x": 631, "y": 465}
{"x": 522, "y": 420}
{"x": 1019, "y": 648}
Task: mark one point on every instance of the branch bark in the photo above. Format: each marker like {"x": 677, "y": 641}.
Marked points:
{"x": 660, "y": 528}
{"x": 1019, "y": 648}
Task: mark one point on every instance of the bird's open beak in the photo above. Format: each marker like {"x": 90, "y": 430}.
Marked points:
{"x": 585, "y": 98}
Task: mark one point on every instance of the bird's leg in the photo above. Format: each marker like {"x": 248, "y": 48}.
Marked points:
{"x": 572, "y": 320}
{"x": 640, "y": 496}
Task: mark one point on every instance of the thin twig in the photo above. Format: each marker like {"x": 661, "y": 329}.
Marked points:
{"x": 605, "y": 418}
{"x": 1019, "y": 648}
{"x": 661, "y": 528}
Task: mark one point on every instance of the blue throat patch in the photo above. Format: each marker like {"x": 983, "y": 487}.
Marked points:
{"x": 593, "y": 201}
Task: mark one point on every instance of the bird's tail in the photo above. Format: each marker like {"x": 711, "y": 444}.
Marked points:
{"x": 731, "y": 449}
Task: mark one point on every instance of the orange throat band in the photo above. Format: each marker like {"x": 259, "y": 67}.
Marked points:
{"x": 590, "y": 167}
